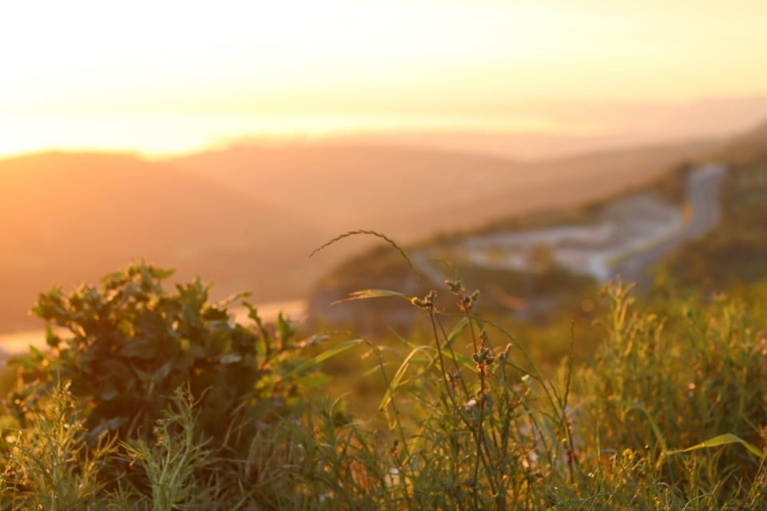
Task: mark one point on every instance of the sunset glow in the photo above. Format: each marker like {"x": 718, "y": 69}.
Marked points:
{"x": 165, "y": 77}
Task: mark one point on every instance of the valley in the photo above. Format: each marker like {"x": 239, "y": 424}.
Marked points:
{"x": 624, "y": 238}
{"x": 246, "y": 218}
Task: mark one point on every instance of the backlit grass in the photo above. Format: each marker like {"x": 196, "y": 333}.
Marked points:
{"x": 668, "y": 412}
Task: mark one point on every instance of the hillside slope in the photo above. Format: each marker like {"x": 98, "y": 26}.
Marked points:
{"x": 735, "y": 253}
{"x": 73, "y": 217}
{"x": 414, "y": 193}
{"x": 248, "y": 216}
{"x": 730, "y": 251}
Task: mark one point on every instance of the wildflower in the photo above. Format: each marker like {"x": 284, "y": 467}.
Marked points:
{"x": 392, "y": 478}
{"x": 426, "y": 303}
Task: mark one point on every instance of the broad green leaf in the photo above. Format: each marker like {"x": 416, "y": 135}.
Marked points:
{"x": 117, "y": 370}
{"x": 35, "y": 351}
{"x": 51, "y": 338}
{"x": 143, "y": 376}
{"x": 162, "y": 372}
{"x": 159, "y": 273}
{"x": 26, "y": 362}
{"x": 212, "y": 314}
{"x": 109, "y": 392}
{"x": 139, "y": 348}
{"x": 252, "y": 311}
{"x": 262, "y": 343}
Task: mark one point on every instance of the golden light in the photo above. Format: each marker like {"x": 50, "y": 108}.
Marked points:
{"x": 175, "y": 76}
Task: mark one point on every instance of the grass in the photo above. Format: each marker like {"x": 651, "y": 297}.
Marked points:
{"x": 669, "y": 412}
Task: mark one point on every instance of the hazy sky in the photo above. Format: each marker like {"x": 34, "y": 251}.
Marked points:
{"x": 162, "y": 76}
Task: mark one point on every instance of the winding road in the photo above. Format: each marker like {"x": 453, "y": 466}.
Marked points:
{"x": 628, "y": 252}
{"x": 702, "y": 197}
{"x": 604, "y": 260}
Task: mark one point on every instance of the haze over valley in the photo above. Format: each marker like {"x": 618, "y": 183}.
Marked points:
{"x": 247, "y": 217}
{"x": 234, "y": 159}
{"x": 383, "y": 255}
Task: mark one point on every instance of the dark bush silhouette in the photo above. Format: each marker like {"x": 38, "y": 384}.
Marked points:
{"x": 127, "y": 345}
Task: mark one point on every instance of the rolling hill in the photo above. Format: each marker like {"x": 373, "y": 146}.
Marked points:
{"x": 247, "y": 217}
{"x": 729, "y": 252}
{"x": 411, "y": 194}
{"x": 69, "y": 218}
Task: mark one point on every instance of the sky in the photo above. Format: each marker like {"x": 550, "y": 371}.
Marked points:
{"x": 168, "y": 76}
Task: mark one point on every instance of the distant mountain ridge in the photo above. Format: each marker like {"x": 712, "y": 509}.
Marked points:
{"x": 69, "y": 218}
{"x": 247, "y": 217}
{"x": 412, "y": 193}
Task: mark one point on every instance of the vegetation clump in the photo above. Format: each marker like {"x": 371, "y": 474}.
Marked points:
{"x": 119, "y": 355}
{"x": 158, "y": 400}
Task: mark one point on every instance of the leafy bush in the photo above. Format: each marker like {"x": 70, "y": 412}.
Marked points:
{"x": 669, "y": 415}
{"x": 129, "y": 345}
{"x": 125, "y": 348}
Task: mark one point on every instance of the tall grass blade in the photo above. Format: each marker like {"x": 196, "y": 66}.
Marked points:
{"x": 456, "y": 331}
{"x": 653, "y": 424}
{"x": 325, "y": 355}
{"x": 377, "y": 235}
{"x": 726, "y": 439}
{"x": 397, "y": 379}
{"x": 372, "y": 293}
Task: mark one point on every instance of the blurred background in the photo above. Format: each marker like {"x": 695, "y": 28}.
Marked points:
{"x": 536, "y": 148}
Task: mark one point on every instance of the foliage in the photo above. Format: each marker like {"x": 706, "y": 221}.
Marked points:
{"x": 669, "y": 414}
{"x": 680, "y": 380}
{"x": 491, "y": 432}
{"x": 126, "y": 347}
{"x": 129, "y": 345}
{"x": 47, "y": 465}
{"x": 462, "y": 432}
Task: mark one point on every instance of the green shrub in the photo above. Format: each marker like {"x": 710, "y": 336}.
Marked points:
{"x": 129, "y": 345}
{"x": 126, "y": 347}
{"x": 670, "y": 413}
{"x": 697, "y": 375}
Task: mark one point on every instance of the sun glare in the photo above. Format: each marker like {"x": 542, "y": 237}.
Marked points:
{"x": 173, "y": 76}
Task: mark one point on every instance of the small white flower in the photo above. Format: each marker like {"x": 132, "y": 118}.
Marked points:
{"x": 392, "y": 478}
